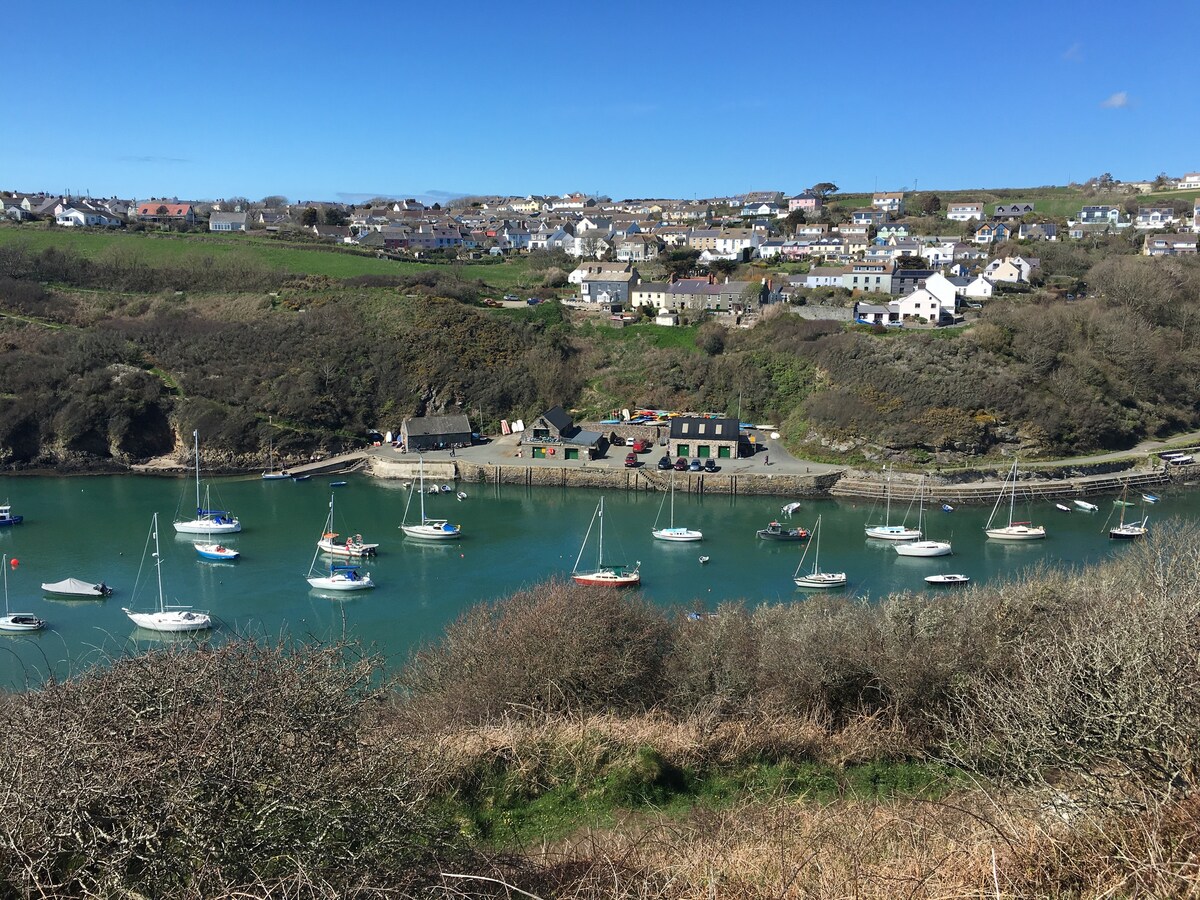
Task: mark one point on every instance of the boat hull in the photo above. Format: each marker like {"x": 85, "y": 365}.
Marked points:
{"x": 11, "y": 520}
{"x": 924, "y": 549}
{"x": 786, "y": 534}
{"x": 607, "y": 578}
{"x": 207, "y": 526}
{"x": 170, "y": 620}
{"x": 21, "y": 622}
{"x": 339, "y": 583}
{"x": 432, "y": 532}
{"x": 1128, "y": 532}
{"x": 1017, "y": 533}
{"x": 892, "y": 533}
{"x": 821, "y": 580}
{"x": 77, "y": 590}
{"x": 677, "y": 534}
{"x": 947, "y": 579}
{"x": 1083, "y": 504}
{"x": 216, "y": 552}
{"x": 351, "y": 549}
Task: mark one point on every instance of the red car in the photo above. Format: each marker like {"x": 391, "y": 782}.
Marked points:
{"x": 641, "y": 446}
{"x": 631, "y": 460}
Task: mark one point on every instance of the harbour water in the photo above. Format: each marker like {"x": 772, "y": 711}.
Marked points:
{"x": 95, "y": 528}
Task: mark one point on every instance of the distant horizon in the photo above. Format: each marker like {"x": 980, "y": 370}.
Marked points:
{"x": 626, "y": 99}
{"x": 444, "y": 197}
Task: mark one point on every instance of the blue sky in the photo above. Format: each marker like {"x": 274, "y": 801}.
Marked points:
{"x": 212, "y": 99}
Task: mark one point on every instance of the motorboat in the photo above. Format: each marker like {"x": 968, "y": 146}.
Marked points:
{"x": 1150, "y": 498}
{"x": 789, "y": 508}
{"x": 77, "y": 589}
{"x": 1084, "y": 505}
{"x": 1063, "y": 507}
{"x": 947, "y": 579}
{"x": 7, "y": 518}
{"x": 776, "y": 532}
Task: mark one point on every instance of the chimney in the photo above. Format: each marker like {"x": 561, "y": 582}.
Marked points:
{"x": 727, "y": 279}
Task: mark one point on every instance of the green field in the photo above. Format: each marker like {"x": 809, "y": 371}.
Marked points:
{"x": 166, "y": 249}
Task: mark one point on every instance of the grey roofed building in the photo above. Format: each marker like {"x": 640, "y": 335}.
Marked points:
{"x": 703, "y": 438}
{"x": 555, "y": 427}
{"x": 227, "y": 221}
{"x": 435, "y": 432}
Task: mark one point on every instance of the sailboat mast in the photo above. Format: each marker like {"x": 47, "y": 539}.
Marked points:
{"x": 196, "y": 450}
{"x": 1012, "y": 499}
{"x": 422, "y": 468}
{"x": 158, "y": 563}
{"x": 600, "y": 553}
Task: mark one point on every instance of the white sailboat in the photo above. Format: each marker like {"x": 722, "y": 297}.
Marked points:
{"x": 339, "y": 576}
{"x": 428, "y": 529}
{"x": 604, "y": 574}
{"x": 887, "y": 531}
{"x": 166, "y": 618}
{"x": 273, "y": 474}
{"x": 207, "y": 521}
{"x": 21, "y": 621}
{"x": 671, "y": 533}
{"x": 1128, "y": 531}
{"x": 1013, "y": 531}
{"x": 352, "y": 546}
{"x": 816, "y": 578}
{"x": 926, "y": 547}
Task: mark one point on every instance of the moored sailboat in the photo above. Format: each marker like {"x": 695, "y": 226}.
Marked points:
{"x": 1013, "y": 531}
{"x": 923, "y": 547}
{"x": 604, "y": 574}
{"x": 428, "y": 529}
{"x": 207, "y": 521}
{"x": 332, "y": 544}
{"x": 816, "y": 578}
{"x": 887, "y": 531}
{"x": 672, "y": 533}
{"x": 166, "y": 617}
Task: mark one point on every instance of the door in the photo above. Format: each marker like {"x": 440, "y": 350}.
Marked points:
{"x": 684, "y": 448}
{"x": 723, "y": 453}
{"x": 572, "y": 453}
{"x": 539, "y": 452}
{"x": 703, "y": 451}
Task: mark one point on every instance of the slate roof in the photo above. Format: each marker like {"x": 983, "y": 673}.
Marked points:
{"x": 431, "y": 425}
{"x": 699, "y": 428}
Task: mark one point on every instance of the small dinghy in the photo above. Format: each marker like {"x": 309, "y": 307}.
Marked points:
{"x": 947, "y": 579}
{"x": 462, "y": 495}
{"x": 73, "y": 587}
{"x": 301, "y": 477}
{"x": 789, "y": 508}
{"x": 1150, "y": 498}
{"x": 946, "y": 507}
{"x": 446, "y": 489}
{"x": 337, "y": 484}
{"x": 703, "y": 560}
{"x": 1083, "y": 504}
{"x": 1062, "y": 506}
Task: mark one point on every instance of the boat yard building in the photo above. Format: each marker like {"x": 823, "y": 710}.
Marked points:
{"x": 700, "y": 437}
{"x": 554, "y": 434}
{"x": 435, "y": 433}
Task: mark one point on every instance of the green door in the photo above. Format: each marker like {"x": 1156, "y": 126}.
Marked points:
{"x": 703, "y": 451}
{"x": 572, "y": 453}
{"x": 723, "y": 452}
{"x": 683, "y": 449}
{"x": 539, "y": 452}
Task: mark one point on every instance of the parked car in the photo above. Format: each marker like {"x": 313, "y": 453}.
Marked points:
{"x": 617, "y": 441}
{"x": 641, "y": 446}
{"x": 710, "y": 465}
{"x": 665, "y": 462}
{"x": 681, "y": 465}
{"x": 695, "y": 466}
{"x": 510, "y": 296}
{"x": 631, "y": 460}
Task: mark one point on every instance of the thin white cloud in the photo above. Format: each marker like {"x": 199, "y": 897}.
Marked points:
{"x": 1119, "y": 100}
{"x": 1074, "y": 53}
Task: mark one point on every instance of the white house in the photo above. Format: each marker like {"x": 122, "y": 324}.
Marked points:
{"x": 1155, "y": 217}
{"x": 960, "y": 211}
{"x": 595, "y": 268}
{"x": 980, "y": 287}
{"x": 824, "y": 276}
{"x": 939, "y": 254}
{"x": 947, "y": 290}
{"x": 921, "y": 304}
{"x": 84, "y": 216}
{"x": 227, "y": 221}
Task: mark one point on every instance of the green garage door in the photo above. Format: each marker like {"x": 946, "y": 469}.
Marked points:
{"x": 572, "y": 453}
{"x": 684, "y": 448}
{"x": 723, "y": 452}
{"x": 703, "y": 451}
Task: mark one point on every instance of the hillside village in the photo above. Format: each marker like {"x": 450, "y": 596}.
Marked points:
{"x": 894, "y": 268}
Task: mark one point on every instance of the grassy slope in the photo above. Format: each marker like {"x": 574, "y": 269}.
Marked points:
{"x": 163, "y": 249}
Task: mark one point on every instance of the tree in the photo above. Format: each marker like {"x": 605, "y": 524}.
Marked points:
{"x": 275, "y": 201}
{"x": 794, "y": 220}
{"x": 333, "y": 216}
{"x": 309, "y": 217}
{"x": 824, "y": 189}
{"x": 1162, "y": 182}
{"x": 910, "y": 262}
{"x": 930, "y": 204}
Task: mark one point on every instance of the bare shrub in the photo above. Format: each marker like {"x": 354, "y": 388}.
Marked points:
{"x": 191, "y": 773}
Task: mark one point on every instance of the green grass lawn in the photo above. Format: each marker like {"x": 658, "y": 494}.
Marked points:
{"x": 165, "y": 249}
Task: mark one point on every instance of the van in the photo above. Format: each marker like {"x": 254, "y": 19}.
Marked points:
{"x": 631, "y": 460}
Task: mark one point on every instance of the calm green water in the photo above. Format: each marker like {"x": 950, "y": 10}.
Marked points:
{"x": 95, "y": 528}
